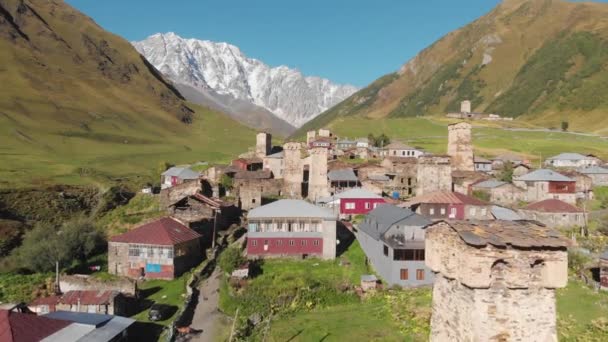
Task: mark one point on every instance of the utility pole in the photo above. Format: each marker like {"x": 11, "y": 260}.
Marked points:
{"x": 57, "y": 287}
{"x": 236, "y": 316}
{"x": 214, "y": 227}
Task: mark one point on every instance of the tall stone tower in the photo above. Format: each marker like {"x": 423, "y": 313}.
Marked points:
{"x": 263, "y": 144}
{"x": 495, "y": 280}
{"x": 460, "y": 146}
{"x": 465, "y": 107}
{"x": 434, "y": 173}
{"x": 317, "y": 182}
{"x": 310, "y": 137}
{"x": 293, "y": 171}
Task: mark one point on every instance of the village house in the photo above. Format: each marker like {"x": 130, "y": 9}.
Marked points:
{"x": 345, "y": 144}
{"x": 274, "y": 163}
{"x": 544, "y": 184}
{"x": 324, "y": 142}
{"x": 353, "y": 202}
{"x": 482, "y": 164}
{"x": 204, "y": 213}
{"x": 463, "y": 180}
{"x": 554, "y": 213}
{"x": 499, "y": 161}
{"x": 434, "y": 173}
{"x": 572, "y": 160}
{"x": 598, "y": 175}
{"x": 584, "y": 184}
{"x": 377, "y": 184}
{"x": 499, "y": 192}
{"x": 398, "y": 149}
{"x": 91, "y": 301}
{"x": 393, "y": 241}
{"x": 248, "y": 164}
{"x": 252, "y": 187}
{"x": 362, "y": 143}
{"x": 162, "y": 249}
{"x": 520, "y": 170}
{"x": 291, "y": 228}
{"x": 444, "y": 205}
{"x": 177, "y": 175}
{"x": 402, "y": 172}
{"x": 342, "y": 179}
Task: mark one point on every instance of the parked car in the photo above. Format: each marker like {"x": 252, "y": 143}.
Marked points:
{"x": 160, "y": 312}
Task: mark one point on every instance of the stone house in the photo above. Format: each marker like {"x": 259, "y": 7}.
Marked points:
{"x": 323, "y": 142}
{"x": 248, "y": 164}
{"x": 342, "y": 180}
{"x": 598, "y": 175}
{"x": 460, "y": 146}
{"x": 520, "y": 170}
{"x": 377, "y": 184}
{"x": 444, "y": 205}
{"x": 345, "y": 144}
{"x": 495, "y": 280}
{"x": 584, "y": 184}
{"x": 572, "y": 160}
{"x": 499, "y": 192}
{"x": 177, "y": 175}
{"x": 463, "y": 180}
{"x": 291, "y": 228}
{"x": 544, "y": 184}
{"x": 201, "y": 213}
{"x": 398, "y": 149}
{"x": 434, "y": 173}
{"x": 554, "y": 213}
{"x": 161, "y": 249}
{"x": 482, "y": 164}
{"x": 402, "y": 172}
{"x": 274, "y": 163}
{"x": 362, "y": 143}
{"x": 252, "y": 187}
{"x": 91, "y": 301}
{"x": 393, "y": 241}
{"x": 499, "y": 161}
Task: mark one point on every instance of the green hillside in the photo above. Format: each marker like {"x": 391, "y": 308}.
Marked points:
{"x": 540, "y": 61}
{"x": 79, "y": 103}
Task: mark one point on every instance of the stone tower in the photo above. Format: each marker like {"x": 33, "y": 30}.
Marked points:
{"x": 310, "y": 137}
{"x": 495, "y": 280}
{"x": 263, "y": 144}
{"x": 293, "y": 171}
{"x": 460, "y": 146}
{"x": 317, "y": 182}
{"x": 434, "y": 173}
{"x": 465, "y": 107}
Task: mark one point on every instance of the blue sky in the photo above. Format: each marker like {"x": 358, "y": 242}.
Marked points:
{"x": 347, "y": 41}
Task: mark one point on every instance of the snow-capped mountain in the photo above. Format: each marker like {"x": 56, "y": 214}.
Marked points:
{"x": 222, "y": 69}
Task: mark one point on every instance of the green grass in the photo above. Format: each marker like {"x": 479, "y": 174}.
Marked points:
{"x": 580, "y": 312}
{"x": 140, "y": 208}
{"x": 368, "y": 321}
{"x": 15, "y": 288}
{"x": 170, "y": 292}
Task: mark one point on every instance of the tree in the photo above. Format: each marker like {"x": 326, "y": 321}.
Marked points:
{"x": 506, "y": 174}
{"x": 371, "y": 139}
{"x": 382, "y": 140}
{"x": 565, "y": 126}
{"x": 226, "y": 182}
{"x": 230, "y": 259}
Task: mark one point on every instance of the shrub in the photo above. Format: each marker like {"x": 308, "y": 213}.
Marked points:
{"x": 230, "y": 259}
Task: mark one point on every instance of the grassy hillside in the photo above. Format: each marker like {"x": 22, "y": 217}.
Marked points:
{"x": 542, "y": 61}
{"x": 82, "y": 104}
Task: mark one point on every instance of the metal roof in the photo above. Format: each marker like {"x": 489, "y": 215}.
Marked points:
{"x": 399, "y": 146}
{"x": 489, "y": 184}
{"x": 381, "y": 219}
{"x": 553, "y": 206}
{"x": 521, "y": 234}
{"x": 481, "y": 160}
{"x": 506, "y": 214}
{"x": 344, "y": 175}
{"x": 356, "y": 193}
{"x": 88, "y": 326}
{"x": 594, "y": 170}
{"x": 443, "y": 197}
{"x": 181, "y": 172}
{"x": 544, "y": 175}
{"x": 288, "y": 208}
{"x": 569, "y": 156}
{"x": 163, "y": 232}
{"x": 23, "y": 327}
{"x": 378, "y": 178}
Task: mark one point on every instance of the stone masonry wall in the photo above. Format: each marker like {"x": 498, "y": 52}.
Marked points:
{"x": 460, "y": 146}
{"x": 433, "y": 174}
{"x": 318, "y": 185}
{"x": 293, "y": 173}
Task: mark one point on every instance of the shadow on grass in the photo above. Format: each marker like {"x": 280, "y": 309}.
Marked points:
{"x": 145, "y": 293}
{"x": 142, "y": 331}
{"x": 346, "y": 238}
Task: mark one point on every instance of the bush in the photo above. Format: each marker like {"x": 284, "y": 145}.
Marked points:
{"x": 230, "y": 259}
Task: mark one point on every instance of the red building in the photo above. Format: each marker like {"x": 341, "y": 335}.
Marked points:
{"x": 162, "y": 249}
{"x": 248, "y": 164}
{"x": 291, "y": 228}
{"x": 358, "y": 202}
{"x": 446, "y": 205}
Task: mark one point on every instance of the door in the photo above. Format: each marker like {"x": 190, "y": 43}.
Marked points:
{"x": 452, "y": 212}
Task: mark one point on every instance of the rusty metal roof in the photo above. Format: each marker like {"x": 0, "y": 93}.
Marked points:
{"x": 444, "y": 197}
{"x": 502, "y": 234}
{"x": 552, "y": 205}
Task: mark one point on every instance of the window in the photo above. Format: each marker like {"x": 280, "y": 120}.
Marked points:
{"x": 483, "y": 212}
{"x": 403, "y": 274}
{"x": 442, "y": 211}
{"x": 265, "y": 242}
{"x": 291, "y": 242}
{"x": 350, "y": 205}
{"x": 408, "y": 254}
{"x": 367, "y": 205}
{"x": 279, "y": 242}
{"x": 419, "y": 274}
{"x": 432, "y": 211}
{"x": 472, "y": 211}
{"x": 253, "y": 200}
{"x": 375, "y": 205}
{"x": 303, "y": 242}
{"x": 134, "y": 251}
{"x": 315, "y": 243}
{"x": 254, "y": 243}
{"x": 385, "y": 249}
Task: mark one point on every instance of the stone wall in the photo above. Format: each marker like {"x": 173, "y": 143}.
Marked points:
{"x": 175, "y": 193}
{"x": 318, "y": 185}
{"x": 460, "y": 146}
{"x": 251, "y": 191}
{"x": 492, "y": 294}
{"x": 263, "y": 144}
{"x": 434, "y": 173}
{"x": 83, "y": 282}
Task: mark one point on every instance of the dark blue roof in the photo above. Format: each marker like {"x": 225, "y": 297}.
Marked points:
{"x": 80, "y": 317}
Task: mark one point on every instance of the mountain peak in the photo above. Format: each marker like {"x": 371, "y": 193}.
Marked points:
{"x": 224, "y": 69}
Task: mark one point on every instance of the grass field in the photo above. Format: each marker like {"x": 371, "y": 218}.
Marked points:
{"x": 489, "y": 139}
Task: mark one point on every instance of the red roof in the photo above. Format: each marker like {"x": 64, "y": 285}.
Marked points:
{"x": 87, "y": 297}
{"x": 445, "y": 197}
{"x": 553, "y": 206}
{"x": 22, "y": 327}
{"x": 165, "y": 232}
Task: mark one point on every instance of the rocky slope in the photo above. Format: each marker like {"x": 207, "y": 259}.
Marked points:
{"x": 221, "y": 71}
{"x": 543, "y": 61}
